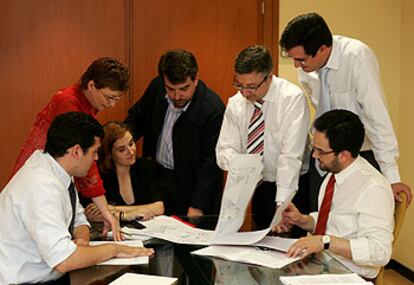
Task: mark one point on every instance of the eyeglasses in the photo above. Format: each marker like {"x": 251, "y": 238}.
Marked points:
{"x": 301, "y": 61}
{"x": 249, "y": 88}
{"x": 319, "y": 152}
{"x": 114, "y": 98}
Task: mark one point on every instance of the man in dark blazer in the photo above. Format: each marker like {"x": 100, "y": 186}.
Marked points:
{"x": 179, "y": 118}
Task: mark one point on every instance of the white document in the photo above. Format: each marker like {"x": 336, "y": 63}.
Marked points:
{"x": 170, "y": 229}
{"x": 143, "y": 279}
{"x": 248, "y": 254}
{"x": 276, "y": 243}
{"x": 324, "y": 279}
{"x": 123, "y": 261}
{"x": 244, "y": 173}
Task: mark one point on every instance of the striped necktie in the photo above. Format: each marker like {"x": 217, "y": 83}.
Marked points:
{"x": 325, "y": 208}
{"x": 255, "y": 136}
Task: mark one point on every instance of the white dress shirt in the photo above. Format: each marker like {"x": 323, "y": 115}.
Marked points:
{"x": 35, "y": 213}
{"x": 354, "y": 84}
{"x": 287, "y": 122}
{"x": 362, "y": 211}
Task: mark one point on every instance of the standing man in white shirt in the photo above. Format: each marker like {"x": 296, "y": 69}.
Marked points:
{"x": 285, "y": 115}
{"x": 341, "y": 72}
{"x": 44, "y": 233}
{"x": 355, "y": 217}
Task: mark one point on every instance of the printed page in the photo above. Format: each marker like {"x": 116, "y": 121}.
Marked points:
{"x": 143, "y": 279}
{"x": 123, "y": 261}
{"x": 324, "y": 279}
{"x": 247, "y": 254}
{"x": 244, "y": 173}
{"x": 276, "y": 243}
{"x": 170, "y": 229}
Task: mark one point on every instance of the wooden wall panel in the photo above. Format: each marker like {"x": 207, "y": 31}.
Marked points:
{"x": 46, "y": 45}
{"x": 214, "y": 30}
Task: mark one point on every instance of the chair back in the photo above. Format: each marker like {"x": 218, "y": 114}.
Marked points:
{"x": 399, "y": 215}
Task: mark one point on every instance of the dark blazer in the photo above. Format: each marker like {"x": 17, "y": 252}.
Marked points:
{"x": 195, "y": 135}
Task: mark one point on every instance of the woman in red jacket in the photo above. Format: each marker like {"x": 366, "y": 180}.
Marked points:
{"x": 100, "y": 87}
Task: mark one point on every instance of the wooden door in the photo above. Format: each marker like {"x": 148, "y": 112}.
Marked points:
{"x": 214, "y": 30}
{"x": 46, "y": 45}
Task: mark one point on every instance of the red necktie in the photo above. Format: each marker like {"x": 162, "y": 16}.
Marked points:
{"x": 325, "y": 207}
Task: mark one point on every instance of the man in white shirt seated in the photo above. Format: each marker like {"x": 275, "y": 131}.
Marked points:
{"x": 44, "y": 233}
{"x": 355, "y": 217}
{"x": 267, "y": 116}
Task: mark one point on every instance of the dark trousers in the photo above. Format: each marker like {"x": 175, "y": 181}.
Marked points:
{"x": 264, "y": 205}
{"x": 175, "y": 202}
{"x": 315, "y": 180}
{"x": 64, "y": 280}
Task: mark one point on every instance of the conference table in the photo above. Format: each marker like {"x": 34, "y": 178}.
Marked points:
{"x": 176, "y": 260}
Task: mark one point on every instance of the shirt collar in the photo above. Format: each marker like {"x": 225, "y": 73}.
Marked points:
{"x": 60, "y": 173}
{"x": 84, "y": 101}
{"x": 348, "y": 171}
{"x": 177, "y": 110}
{"x": 333, "y": 61}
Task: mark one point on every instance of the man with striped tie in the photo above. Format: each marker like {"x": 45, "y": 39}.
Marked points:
{"x": 355, "y": 217}
{"x": 268, "y": 116}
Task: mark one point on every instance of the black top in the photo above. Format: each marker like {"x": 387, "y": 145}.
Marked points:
{"x": 142, "y": 175}
{"x": 195, "y": 133}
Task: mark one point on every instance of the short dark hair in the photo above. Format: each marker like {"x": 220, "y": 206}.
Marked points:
{"x": 307, "y": 30}
{"x": 254, "y": 59}
{"x": 70, "y": 129}
{"x": 343, "y": 129}
{"x": 177, "y": 65}
{"x": 106, "y": 72}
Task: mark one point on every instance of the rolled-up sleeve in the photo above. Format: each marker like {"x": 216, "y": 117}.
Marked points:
{"x": 373, "y": 245}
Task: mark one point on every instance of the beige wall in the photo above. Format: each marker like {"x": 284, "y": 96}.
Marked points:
{"x": 386, "y": 26}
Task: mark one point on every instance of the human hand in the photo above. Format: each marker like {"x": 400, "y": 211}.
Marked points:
{"x": 194, "y": 212}
{"x": 93, "y": 213}
{"x": 290, "y": 217}
{"x": 305, "y": 246}
{"x": 110, "y": 223}
{"x": 401, "y": 187}
{"x": 124, "y": 251}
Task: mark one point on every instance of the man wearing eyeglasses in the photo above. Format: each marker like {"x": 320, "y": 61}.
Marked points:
{"x": 179, "y": 119}
{"x": 281, "y": 144}
{"x": 355, "y": 217}
{"x": 341, "y": 72}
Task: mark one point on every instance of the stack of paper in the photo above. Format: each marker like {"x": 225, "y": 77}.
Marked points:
{"x": 143, "y": 279}
{"x": 324, "y": 279}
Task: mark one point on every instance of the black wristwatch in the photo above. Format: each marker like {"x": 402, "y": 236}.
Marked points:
{"x": 326, "y": 241}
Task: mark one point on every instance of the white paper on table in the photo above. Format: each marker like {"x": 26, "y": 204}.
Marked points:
{"x": 143, "y": 279}
{"x": 170, "y": 229}
{"x": 248, "y": 254}
{"x": 276, "y": 243}
{"x": 324, "y": 279}
{"x": 123, "y": 261}
{"x": 130, "y": 235}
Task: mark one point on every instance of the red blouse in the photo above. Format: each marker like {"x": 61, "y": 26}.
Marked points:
{"x": 66, "y": 100}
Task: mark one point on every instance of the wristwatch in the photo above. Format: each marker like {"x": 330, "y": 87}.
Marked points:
{"x": 326, "y": 241}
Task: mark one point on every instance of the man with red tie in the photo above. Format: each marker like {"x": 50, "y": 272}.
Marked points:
{"x": 355, "y": 219}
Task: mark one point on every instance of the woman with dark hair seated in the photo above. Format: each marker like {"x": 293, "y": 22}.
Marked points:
{"x": 127, "y": 179}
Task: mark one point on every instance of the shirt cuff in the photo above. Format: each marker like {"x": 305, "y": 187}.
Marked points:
{"x": 282, "y": 194}
{"x": 359, "y": 250}
{"x": 392, "y": 174}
